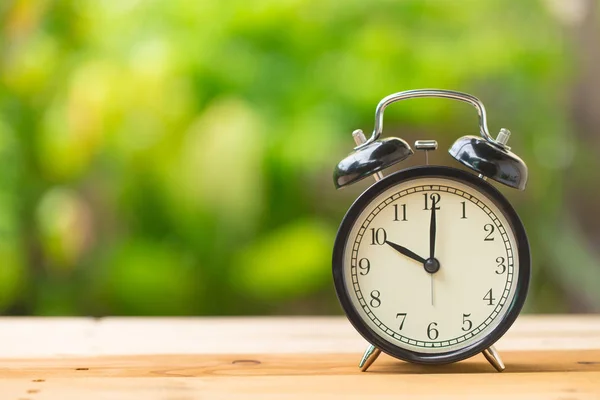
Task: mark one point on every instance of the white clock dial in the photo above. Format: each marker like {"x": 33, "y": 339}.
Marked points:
{"x": 393, "y": 293}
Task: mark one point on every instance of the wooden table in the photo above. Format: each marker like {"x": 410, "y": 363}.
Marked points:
{"x": 546, "y": 357}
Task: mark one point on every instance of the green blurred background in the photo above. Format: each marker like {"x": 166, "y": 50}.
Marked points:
{"x": 176, "y": 157}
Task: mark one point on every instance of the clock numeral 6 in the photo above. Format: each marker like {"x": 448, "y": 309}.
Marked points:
{"x": 375, "y": 301}
{"x": 365, "y": 265}
{"x": 501, "y": 265}
{"x": 468, "y": 323}
{"x": 378, "y": 236}
{"x": 489, "y": 297}
{"x": 432, "y": 333}
{"x": 488, "y": 228}
{"x": 403, "y": 316}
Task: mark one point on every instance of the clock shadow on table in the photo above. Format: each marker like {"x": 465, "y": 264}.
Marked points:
{"x": 515, "y": 362}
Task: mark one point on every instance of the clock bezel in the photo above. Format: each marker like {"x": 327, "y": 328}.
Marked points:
{"x": 522, "y": 243}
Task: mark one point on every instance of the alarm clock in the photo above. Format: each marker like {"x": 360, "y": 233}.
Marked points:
{"x": 431, "y": 264}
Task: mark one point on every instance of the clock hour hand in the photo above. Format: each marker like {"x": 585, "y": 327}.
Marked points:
{"x": 405, "y": 251}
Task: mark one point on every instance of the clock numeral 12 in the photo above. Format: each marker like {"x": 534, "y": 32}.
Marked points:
{"x": 435, "y": 199}
{"x": 403, "y": 213}
{"x": 378, "y": 236}
{"x": 403, "y": 316}
{"x": 489, "y": 298}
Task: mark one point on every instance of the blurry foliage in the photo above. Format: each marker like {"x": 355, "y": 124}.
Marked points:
{"x": 175, "y": 157}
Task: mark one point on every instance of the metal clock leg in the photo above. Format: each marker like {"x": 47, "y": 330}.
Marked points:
{"x": 369, "y": 357}
{"x": 494, "y": 358}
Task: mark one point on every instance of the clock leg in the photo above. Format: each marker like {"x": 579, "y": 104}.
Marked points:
{"x": 369, "y": 357}
{"x": 494, "y": 358}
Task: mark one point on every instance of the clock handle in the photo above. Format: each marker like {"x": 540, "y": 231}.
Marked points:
{"x": 435, "y": 93}
{"x": 489, "y": 157}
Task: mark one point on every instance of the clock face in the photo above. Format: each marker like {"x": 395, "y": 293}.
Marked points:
{"x": 431, "y": 264}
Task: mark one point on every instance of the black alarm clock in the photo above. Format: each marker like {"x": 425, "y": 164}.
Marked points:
{"x": 431, "y": 264}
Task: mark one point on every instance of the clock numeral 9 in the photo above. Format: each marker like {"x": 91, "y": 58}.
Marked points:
{"x": 489, "y": 297}
{"x": 488, "y": 228}
{"x": 435, "y": 199}
{"x": 468, "y": 323}
{"x": 365, "y": 265}
{"x": 403, "y": 212}
{"x": 501, "y": 265}
{"x": 378, "y": 236}
{"x": 375, "y": 301}
{"x": 403, "y": 316}
{"x": 432, "y": 333}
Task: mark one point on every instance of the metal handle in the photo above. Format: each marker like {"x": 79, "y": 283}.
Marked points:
{"x": 440, "y": 93}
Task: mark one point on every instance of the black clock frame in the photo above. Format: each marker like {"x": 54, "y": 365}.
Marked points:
{"x": 522, "y": 247}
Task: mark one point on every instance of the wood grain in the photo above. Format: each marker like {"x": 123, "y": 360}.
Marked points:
{"x": 298, "y": 358}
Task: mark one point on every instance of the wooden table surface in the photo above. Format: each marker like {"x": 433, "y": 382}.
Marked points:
{"x": 546, "y": 357}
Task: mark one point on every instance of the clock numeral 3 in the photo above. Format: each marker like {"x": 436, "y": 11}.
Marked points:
{"x": 488, "y": 228}
{"x": 435, "y": 199}
{"x": 375, "y": 301}
{"x": 365, "y": 265}
{"x": 403, "y": 316}
{"x": 403, "y": 212}
{"x": 378, "y": 236}
{"x": 468, "y": 323}
{"x": 432, "y": 333}
{"x": 489, "y": 298}
{"x": 501, "y": 266}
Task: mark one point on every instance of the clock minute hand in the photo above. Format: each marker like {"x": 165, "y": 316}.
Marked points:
{"x": 435, "y": 198}
{"x": 432, "y": 229}
{"x": 405, "y": 251}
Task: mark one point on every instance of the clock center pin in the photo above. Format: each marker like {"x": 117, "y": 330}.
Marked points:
{"x": 432, "y": 265}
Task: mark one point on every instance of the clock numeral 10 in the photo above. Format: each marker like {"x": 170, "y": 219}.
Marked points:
{"x": 468, "y": 323}
{"x": 435, "y": 199}
{"x": 403, "y": 212}
{"x": 489, "y": 297}
{"x": 375, "y": 300}
{"x": 403, "y": 316}
{"x": 378, "y": 236}
{"x": 432, "y": 333}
